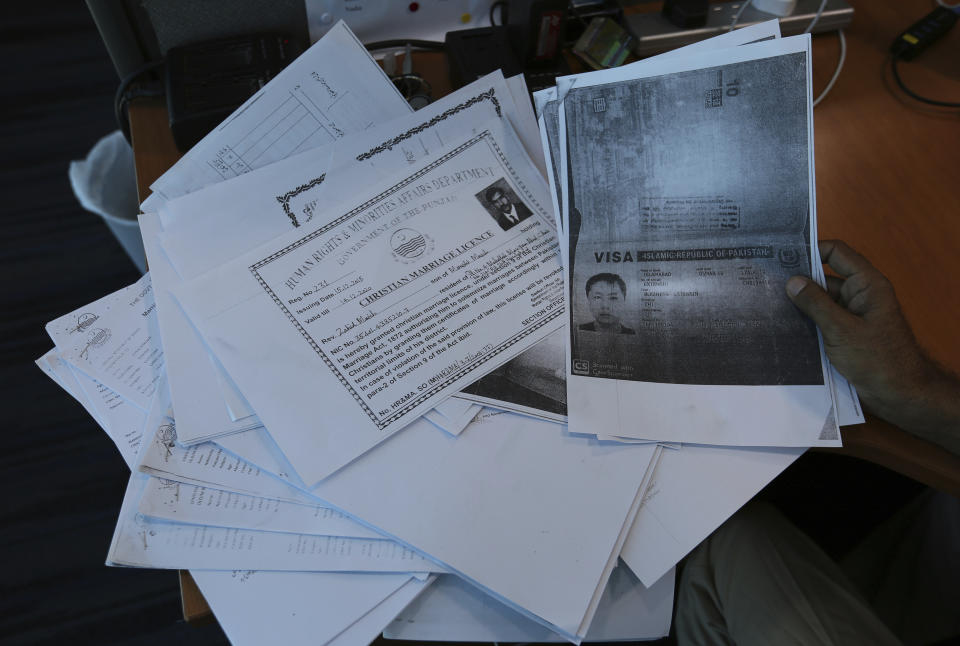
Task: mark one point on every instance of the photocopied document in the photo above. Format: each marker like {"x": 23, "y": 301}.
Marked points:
{"x": 197, "y": 505}
{"x": 257, "y": 447}
{"x": 387, "y": 309}
{"x": 679, "y": 245}
{"x": 141, "y": 542}
{"x": 208, "y": 464}
{"x": 532, "y": 383}
{"x": 547, "y": 104}
{"x": 547, "y": 108}
{"x": 115, "y": 341}
{"x": 333, "y": 88}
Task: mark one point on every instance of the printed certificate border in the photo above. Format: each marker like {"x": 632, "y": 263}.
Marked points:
{"x": 289, "y": 195}
{"x": 488, "y": 95}
{"x": 462, "y": 369}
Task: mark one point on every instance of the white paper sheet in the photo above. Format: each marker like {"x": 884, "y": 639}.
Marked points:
{"x": 211, "y": 226}
{"x": 257, "y": 607}
{"x": 547, "y": 543}
{"x": 526, "y": 123}
{"x": 115, "y": 341}
{"x": 282, "y": 372}
{"x": 452, "y": 415}
{"x": 332, "y": 88}
{"x": 366, "y": 629}
{"x": 192, "y": 377}
{"x": 141, "y": 542}
{"x": 257, "y": 447}
{"x": 451, "y": 610}
{"x": 693, "y": 491}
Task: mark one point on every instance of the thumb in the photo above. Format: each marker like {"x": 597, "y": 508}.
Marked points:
{"x": 832, "y": 319}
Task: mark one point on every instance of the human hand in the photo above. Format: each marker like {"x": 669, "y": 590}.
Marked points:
{"x": 869, "y": 341}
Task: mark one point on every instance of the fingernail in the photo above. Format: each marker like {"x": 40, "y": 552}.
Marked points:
{"x": 795, "y": 284}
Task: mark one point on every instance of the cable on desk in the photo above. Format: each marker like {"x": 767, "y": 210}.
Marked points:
{"x": 836, "y": 73}
{"x": 813, "y": 23}
{"x": 914, "y": 95}
{"x": 736, "y": 17}
{"x": 122, "y": 97}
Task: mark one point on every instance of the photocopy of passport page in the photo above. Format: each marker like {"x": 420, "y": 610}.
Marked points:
{"x": 533, "y": 535}
{"x": 690, "y": 204}
{"x": 343, "y": 333}
{"x": 333, "y": 88}
{"x": 534, "y": 383}
{"x": 547, "y": 101}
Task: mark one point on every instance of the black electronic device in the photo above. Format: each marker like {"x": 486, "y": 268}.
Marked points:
{"x": 472, "y": 53}
{"x": 206, "y": 82}
{"x": 582, "y": 12}
{"x": 536, "y": 30}
{"x": 530, "y": 42}
{"x": 686, "y": 14}
{"x": 917, "y": 38}
{"x": 923, "y": 33}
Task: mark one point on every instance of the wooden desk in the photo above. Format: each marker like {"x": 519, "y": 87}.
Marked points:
{"x": 885, "y": 166}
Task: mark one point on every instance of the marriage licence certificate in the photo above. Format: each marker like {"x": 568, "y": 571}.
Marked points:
{"x": 344, "y": 334}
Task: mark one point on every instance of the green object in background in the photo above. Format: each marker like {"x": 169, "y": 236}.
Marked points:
{"x": 604, "y": 44}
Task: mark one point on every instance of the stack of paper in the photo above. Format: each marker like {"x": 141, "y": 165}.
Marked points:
{"x": 361, "y": 366}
